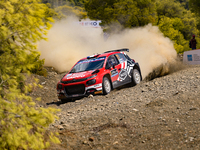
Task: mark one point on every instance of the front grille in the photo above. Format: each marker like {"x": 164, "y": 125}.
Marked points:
{"x": 78, "y": 80}
{"x": 75, "y": 89}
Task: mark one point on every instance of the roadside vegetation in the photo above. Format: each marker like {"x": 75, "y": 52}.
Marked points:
{"x": 22, "y": 124}
{"x": 25, "y": 22}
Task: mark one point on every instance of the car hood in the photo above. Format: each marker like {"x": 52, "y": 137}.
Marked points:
{"x": 78, "y": 75}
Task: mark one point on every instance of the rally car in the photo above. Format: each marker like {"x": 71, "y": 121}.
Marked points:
{"x": 99, "y": 74}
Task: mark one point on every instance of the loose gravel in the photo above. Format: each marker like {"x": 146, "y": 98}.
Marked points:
{"x": 163, "y": 113}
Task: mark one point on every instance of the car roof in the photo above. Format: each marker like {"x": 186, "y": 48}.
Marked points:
{"x": 107, "y": 53}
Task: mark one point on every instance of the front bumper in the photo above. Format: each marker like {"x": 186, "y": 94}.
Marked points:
{"x": 78, "y": 90}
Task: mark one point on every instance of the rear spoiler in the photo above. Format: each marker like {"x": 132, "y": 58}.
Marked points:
{"x": 118, "y": 50}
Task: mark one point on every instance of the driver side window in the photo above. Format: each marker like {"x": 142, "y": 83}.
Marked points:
{"x": 111, "y": 61}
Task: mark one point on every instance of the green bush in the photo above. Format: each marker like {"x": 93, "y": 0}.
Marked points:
{"x": 22, "y": 124}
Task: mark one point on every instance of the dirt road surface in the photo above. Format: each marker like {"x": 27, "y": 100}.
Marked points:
{"x": 163, "y": 113}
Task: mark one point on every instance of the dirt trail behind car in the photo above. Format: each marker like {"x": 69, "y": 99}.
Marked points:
{"x": 159, "y": 114}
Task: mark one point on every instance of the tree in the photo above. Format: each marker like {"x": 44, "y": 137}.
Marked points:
{"x": 22, "y": 124}
{"x": 79, "y": 3}
{"x": 169, "y": 8}
{"x": 57, "y": 3}
{"x": 170, "y": 28}
{"x": 128, "y": 13}
{"x": 177, "y": 23}
{"x": 195, "y": 6}
{"x": 184, "y": 3}
{"x": 65, "y": 10}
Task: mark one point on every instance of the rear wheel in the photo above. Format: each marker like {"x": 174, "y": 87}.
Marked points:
{"x": 106, "y": 86}
{"x": 136, "y": 77}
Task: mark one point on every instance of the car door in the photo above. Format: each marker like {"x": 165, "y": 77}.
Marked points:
{"x": 125, "y": 70}
{"x": 114, "y": 66}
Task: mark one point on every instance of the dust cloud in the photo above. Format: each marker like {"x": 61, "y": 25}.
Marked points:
{"x": 68, "y": 42}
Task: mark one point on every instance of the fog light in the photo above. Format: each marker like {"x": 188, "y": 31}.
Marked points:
{"x": 90, "y": 91}
{"x": 59, "y": 86}
{"x": 90, "y": 82}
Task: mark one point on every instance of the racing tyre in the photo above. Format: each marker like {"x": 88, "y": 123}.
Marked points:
{"x": 136, "y": 77}
{"x": 106, "y": 86}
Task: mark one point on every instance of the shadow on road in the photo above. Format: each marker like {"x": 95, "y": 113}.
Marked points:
{"x": 58, "y": 103}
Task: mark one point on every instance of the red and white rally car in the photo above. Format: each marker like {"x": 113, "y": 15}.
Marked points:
{"x": 99, "y": 74}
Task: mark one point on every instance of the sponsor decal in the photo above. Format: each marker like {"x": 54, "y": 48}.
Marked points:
{"x": 192, "y": 57}
{"x": 94, "y": 86}
{"x": 99, "y": 88}
{"x": 189, "y": 57}
{"x": 123, "y": 74}
{"x": 114, "y": 72}
{"x": 90, "y": 23}
{"x": 91, "y": 60}
{"x": 121, "y": 60}
{"x": 76, "y": 75}
{"x": 126, "y": 68}
{"x": 115, "y": 82}
{"x": 196, "y": 57}
{"x": 117, "y": 56}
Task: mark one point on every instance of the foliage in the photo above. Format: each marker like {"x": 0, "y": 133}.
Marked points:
{"x": 177, "y": 23}
{"x": 57, "y": 3}
{"x": 195, "y": 6}
{"x": 184, "y": 3}
{"x": 79, "y": 3}
{"x": 22, "y": 125}
{"x": 128, "y": 13}
{"x": 64, "y": 11}
{"x": 169, "y": 8}
{"x": 170, "y": 28}
{"x": 22, "y": 24}
{"x": 64, "y": 8}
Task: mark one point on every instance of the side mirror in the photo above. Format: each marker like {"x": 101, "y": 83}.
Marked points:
{"x": 113, "y": 66}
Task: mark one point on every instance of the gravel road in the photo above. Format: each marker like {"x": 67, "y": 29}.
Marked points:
{"x": 163, "y": 113}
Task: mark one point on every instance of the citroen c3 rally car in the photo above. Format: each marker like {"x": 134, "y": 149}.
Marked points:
{"x": 99, "y": 74}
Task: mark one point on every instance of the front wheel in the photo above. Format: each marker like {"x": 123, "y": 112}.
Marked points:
{"x": 136, "y": 77}
{"x": 106, "y": 86}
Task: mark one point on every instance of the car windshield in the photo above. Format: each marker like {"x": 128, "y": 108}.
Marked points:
{"x": 88, "y": 64}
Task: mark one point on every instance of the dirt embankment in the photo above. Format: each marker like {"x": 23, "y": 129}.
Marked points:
{"x": 163, "y": 113}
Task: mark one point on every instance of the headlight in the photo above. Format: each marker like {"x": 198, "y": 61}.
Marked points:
{"x": 59, "y": 86}
{"x": 90, "y": 82}
{"x": 91, "y": 76}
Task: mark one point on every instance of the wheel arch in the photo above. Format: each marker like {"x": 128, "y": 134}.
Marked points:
{"x": 136, "y": 66}
{"x": 109, "y": 78}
